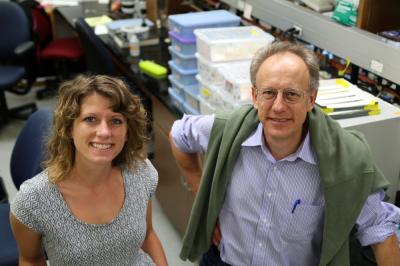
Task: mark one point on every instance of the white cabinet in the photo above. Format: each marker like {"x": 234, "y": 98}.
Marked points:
{"x": 383, "y": 135}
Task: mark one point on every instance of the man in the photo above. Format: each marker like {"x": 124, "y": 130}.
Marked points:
{"x": 282, "y": 184}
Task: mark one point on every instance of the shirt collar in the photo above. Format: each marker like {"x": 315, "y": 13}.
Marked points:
{"x": 305, "y": 151}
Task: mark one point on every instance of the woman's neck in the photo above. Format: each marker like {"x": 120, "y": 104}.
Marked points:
{"x": 90, "y": 176}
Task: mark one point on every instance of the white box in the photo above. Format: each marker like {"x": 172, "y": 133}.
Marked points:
{"x": 209, "y": 71}
{"x": 237, "y": 80}
{"x": 206, "y": 108}
{"x": 216, "y": 96}
{"x": 231, "y": 44}
{"x": 382, "y": 133}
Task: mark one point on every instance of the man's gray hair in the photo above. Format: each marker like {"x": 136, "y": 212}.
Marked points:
{"x": 300, "y": 50}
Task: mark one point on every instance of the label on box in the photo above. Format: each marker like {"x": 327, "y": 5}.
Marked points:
{"x": 376, "y": 66}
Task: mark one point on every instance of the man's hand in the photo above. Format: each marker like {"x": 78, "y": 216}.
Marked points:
{"x": 216, "y": 236}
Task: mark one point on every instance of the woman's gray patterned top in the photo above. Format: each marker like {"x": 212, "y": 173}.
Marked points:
{"x": 69, "y": 241}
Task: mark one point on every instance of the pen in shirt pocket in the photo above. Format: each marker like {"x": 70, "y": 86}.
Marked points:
{"x": 297, "y": 202}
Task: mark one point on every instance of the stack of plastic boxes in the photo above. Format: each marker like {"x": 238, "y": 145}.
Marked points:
{"x": 223, "y": 57}
{"x": 184, "y": 90}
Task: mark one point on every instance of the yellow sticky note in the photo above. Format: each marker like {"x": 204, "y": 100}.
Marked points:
{"x": 95, "y": 21}
{"x": 254, "y": 32}
{"x": 342, "y": 82}
{"x": 205, "y": 92}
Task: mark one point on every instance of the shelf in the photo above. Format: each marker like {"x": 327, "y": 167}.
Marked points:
{"x": 362, "y": 48}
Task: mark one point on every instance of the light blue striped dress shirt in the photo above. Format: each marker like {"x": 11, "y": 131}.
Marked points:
{"x": 273, "y": 210}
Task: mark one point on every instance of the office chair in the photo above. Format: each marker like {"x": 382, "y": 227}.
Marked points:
{"x": 58, "y": 51}
{"x": 26, "y": 158}
{"x": 15, "y": 46}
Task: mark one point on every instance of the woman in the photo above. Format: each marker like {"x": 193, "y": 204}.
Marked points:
{"x": 91, "y": 205}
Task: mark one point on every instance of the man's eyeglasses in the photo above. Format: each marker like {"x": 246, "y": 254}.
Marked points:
{"x": 290, "y": 96}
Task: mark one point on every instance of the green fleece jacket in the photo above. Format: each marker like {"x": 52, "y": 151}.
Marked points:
{"x": 348, "y": 176}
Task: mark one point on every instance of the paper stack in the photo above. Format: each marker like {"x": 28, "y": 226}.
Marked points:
{"x": 340, "y": 99}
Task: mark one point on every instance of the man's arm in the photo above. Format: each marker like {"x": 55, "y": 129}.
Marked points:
{"x": 377, "y": 228}
{"x": 189, "y": 164}
{"x": 387, "y": 253}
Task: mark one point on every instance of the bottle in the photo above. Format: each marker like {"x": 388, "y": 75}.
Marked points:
{"x": 134, "y": 47}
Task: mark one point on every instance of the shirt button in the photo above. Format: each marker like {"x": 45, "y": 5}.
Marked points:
{"x": 264, "y": 220}
{"x": 269, "y": 194}
{"x": 260, "y": 244}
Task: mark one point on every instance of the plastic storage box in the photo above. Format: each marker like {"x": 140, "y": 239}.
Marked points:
{"x": 206, "y": 108}
{"x": 229, "y": 44}
{"x": 176, "y": 86}
{"x": 189, "y": 110}
{"x": 183, "y": 76}
{"x": 216, "y": 96}
{"x": 176, "y": 100}
{"x": 209, "y": 71}
{"x": 237, "y": 80}
{"x": 183, "y": 45}
{"x": 182, "y": 60}
{"x": 192, "y": 97}
{"x": 184, "y": 24}
{"x": 186, "y": 92}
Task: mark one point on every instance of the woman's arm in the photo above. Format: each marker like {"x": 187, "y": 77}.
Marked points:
{"x": 152, "y": 244}
{"x": 29, "y": 244}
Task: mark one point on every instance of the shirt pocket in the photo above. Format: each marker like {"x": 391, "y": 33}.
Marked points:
{"x": 305, "y": 221}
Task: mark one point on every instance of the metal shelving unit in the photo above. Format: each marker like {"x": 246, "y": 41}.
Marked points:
{"x": 362, "y": 48}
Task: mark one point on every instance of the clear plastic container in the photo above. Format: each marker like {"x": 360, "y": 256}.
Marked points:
{"x": 184, "y": 45}
{"x": 189, "y": 110}
{"x": 184, "y": 24}
{"x": 209, "y": 71}
{"x": 192, "y": 97}
{"x": 230, "y": 44}
{"x": 206, "y": 108}
{"x": 183, "y": 76}
{"x": 182, "y": 60}
{"x": 176, "y": 99}
{"x": 216, "y": 96}
{"x": 176, "y": 86}
{"x": 237, "y": 82}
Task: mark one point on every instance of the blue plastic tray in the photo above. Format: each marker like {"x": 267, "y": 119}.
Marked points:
{"x": 184, "y": 24}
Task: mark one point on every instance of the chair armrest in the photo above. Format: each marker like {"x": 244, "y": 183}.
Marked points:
{"x": 3, "y": 192}
{"x": 24, "y": 48}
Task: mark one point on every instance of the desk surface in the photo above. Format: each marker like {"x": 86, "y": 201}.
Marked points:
{"x": 84, "y": 9}
{"x": 126, "y": 63}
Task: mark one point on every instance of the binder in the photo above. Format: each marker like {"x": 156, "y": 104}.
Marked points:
{"x": 340, "y": 99}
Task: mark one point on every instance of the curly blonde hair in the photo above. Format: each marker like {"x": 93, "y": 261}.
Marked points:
{"x": 60, "y": 147}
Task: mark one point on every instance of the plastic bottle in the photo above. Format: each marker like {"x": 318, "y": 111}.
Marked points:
{"x": 134, "y": 47}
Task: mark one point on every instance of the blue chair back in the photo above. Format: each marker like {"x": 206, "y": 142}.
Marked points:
{"x": 28, "y": 151}
{"x": 8, "y": 245}
{"x": 14, "y": 28}
{"x": 26, "y": 160}
{"x": 98, "y": 58}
